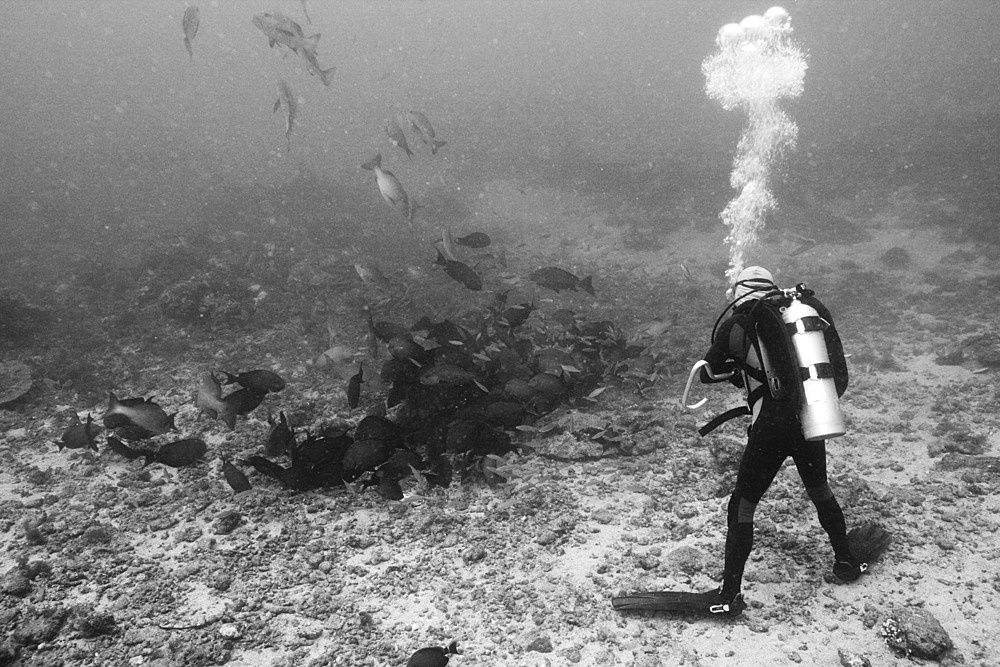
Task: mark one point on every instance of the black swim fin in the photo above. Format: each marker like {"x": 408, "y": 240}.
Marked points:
{"x": 868, "y": 542}
{"x": 709, "y": 603}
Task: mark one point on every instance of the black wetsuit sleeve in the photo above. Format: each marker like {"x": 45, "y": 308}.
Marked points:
{"x": 720, "y": 356}
{"x": 834, "y": 346}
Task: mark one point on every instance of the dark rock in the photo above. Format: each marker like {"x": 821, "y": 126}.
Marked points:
{"x": 15, "y": 582}
{"x": 97, "y": 534}
{"x": 94, "y": 624}
{"x": 8, "y": 653}
{"x": 848, "y": 659}
{"x": 474, "y": 554}
{"x": 226, "y": 522}
{"x": 540, "y": 644}
{"x": 916, "y": 633}
{"x": 39, "y": 626}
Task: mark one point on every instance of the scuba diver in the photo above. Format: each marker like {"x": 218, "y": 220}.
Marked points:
{"x": 781, "y": 347}
{"x": 776, "y": 430}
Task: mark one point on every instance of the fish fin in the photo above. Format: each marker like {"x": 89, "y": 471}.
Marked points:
{"x": 587, "y": 285}
{"x": 271, "y": 42}
{"x": 374, "y": 162}
{"x": 435, "y": 145}
{"x": 409, "y": 153}
{"x": 325, "y": 74}
{"x": 228, "y": 416}
{"x": 453, "y": 648}
{"x": 60, "y": 446}
{"x": 230, "y": 378}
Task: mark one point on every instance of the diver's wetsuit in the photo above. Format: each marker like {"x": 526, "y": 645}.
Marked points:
{"x": 774, "y": 435}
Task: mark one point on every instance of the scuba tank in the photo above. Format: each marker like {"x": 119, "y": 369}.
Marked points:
{"x": 819, "y": 413}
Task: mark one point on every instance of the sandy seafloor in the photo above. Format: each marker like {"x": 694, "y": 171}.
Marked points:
{"x": 522, "y": 574}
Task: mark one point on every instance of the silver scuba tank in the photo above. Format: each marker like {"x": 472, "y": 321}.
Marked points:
{"x": 820, "y": 413}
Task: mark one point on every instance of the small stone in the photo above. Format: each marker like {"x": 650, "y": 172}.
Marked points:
{"x": 915, "y": 632}
{"x": 474, "y": 554}
{"x": 229, "y": 631}
{"x": 540, "y": 644}
{"x": 97, "y": 535}
{"x": 226, "y": 522}
{"x": 95, "y": 624}
{"x": 189, "y": 534}
{"x": 848, "y": 659}
{"x": 546, "y": 537}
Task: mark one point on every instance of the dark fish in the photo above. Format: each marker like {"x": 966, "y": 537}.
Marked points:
{"x": 389, "y": 488}
{"x": 289, "y": 477}
{"x": 319, "y": 450}
{"x": 192, "y": 17}
{"x": 433, "y": 656}
{"x": 177, "y": 454}
{"x": 405, "y": 348}
{"x": 79, "y": 435}
{"x": 312, "y": 64}
{"x": 140, "y": 412}
{"x": 446, "y": 375}
{"x": 396, "y": 136}
{"x": 121, "y": 449}
{"x": 354, "y": 388}
{"x": 235, "y": 477}
{"x": 547, "y": 384}
{"x": 279, "y": 29}
{"x": 517, "y": 315}
{"x": 390, "y": 188}
{"x": 372, "y": 334}
{"x": 558, "y": 279}
{"x": 364, "y": 455}
{"x": 372, "y": 276}
{"x": 280, "y": 437}
{"x": 240, "y": 402}
{"x": 260, "y": 381}
{"x": 474, "y": 240}
{"x": 376, "y": 428}
{"x": 422, "y": 125}
{"x": 287, "y": 99}
{"x": 400, "y": 463}
{"x": 460, "y": 272}
{"x": 386, "y": 331}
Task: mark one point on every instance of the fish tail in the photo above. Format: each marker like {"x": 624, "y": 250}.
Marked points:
{"x": 435, "y": 145}
{"x": 374, "y": 162}
{"x": 92, "y": 444}
{"x": 409, "y": 153}
{"x": 228, "y": 415}
{"x": 187, "y": 45}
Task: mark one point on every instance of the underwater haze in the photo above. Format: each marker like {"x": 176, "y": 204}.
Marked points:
{"x": 113, "y": 136}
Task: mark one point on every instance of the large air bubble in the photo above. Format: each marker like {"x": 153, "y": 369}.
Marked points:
{"x": 756, "y": 66}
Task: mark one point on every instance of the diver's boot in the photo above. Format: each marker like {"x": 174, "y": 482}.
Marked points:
{"x": 866, "y": 544}
{"x": 847, "y": 571}
{"x": 739, "y": 543}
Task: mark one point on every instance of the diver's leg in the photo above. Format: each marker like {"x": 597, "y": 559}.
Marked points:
{"x": 760, "y": 463}
{"x": 810, "y": 460}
